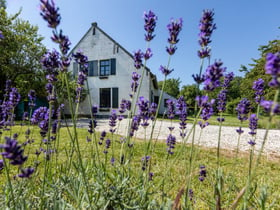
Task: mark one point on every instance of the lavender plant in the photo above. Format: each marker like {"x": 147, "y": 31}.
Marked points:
{"x": 117, "y": 172}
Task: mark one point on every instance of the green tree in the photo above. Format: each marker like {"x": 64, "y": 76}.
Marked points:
{"x": 189, "y": 92}
{"x": 258, "y": 71}
{"x": 172, "y": 86}
{"x": 3, "y": 4}
{"x": 234, "y": 91}
{"x": 21, "y": 52}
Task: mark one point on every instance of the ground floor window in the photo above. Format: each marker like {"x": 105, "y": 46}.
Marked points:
{"x": 109, "y": 97}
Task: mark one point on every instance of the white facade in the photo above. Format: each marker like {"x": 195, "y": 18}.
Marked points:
{"x": 110, "y": 71}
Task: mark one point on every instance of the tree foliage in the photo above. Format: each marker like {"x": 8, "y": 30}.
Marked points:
{"x": 172, "y": 86}
{"x": 258, "y": 71}
{"x": 21, "y": 52}
{"x": 189, "y": 92}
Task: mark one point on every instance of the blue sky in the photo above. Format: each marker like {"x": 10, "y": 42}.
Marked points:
{"x": 242, "y": 26}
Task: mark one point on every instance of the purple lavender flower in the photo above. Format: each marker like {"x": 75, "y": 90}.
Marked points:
{"x": 153, "y": 110}
{"x": 91, "y": 126}
{"x": 25, "y": 116}
{"x": 151, "y": 175}
{"x": 165, "y": 71}
{"x": 51, "y": 61}
{"x": 113, "y": 121}
{"x": 150, "y": 23}
{"x": 170, "y": 108}
{"x": 107, "y": 145}
{"x": 171, "y": 49}
{"x": 80, "y": 57}
{"x": 252, "y": 142}
{"x": 134, "y": 125}
{"x": 39, "y": 114}
{"x": 62, "y": 40}
{"x": 258, "y": 87}
{"x": 143, "y": 111}
{"x": 202, "y": 173}
{"x": 253, "y": 124}
{"x": 1, "y": 164}
{"x": 228, "y": 78}
{"x": 14, "y": 97}
{"x": 204, "y": 52}
{"x": 138, "y": 56}
{"x": 26, "y": 172}
{"x": 207, "y": 109}
{"x": 182, "y": 112}
{"x": 134, "y": 84}
{"x": 124, "y": 105}
{"x": 102, "y": 136}
{"x": 112, "y": 160}
{"x": 174, "y": 28}
{"x": 239, "y": 131}
{"x": 270, "y": 106}
{"x": 191, "y": 194}
{"x": 13, "y": 151}
{"x": 206, "y": 28}
{"x": 170, "y": 142}
{"x": 148, "y": 54}
{"x": 198, "y": 78}
{"x": 213, "y": 75}
{"x": 243, "y": 109}
{"x": 145, "y": 161}
{"x": 32, "y": 98}
{"x": 1, "y": 35}
{"x": 272, "y": 67}
{"x": 222, "y": 96}
{"x": 50, "y": 13}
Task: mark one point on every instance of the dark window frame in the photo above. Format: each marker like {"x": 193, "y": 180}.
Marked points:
{"x": 105, "y": 67}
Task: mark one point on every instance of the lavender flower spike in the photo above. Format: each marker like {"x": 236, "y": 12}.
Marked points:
{"x": 165, "y": 71}
{"x": 272, "y": 67}
{"x": 174, "y": 28}
{"x": 13, "y": 152}
{"x": 50, "y": 13}
{"x": 212, "y": 76}
{"x": 243, "y": 109}
{"x": 258, "y": 87}
{"x": 206, "y": 27}
{"x": 253, "y": 124}
{"x": 150, "y": 23}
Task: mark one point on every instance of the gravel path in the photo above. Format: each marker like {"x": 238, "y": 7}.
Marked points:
{"x": 209, "y": 135}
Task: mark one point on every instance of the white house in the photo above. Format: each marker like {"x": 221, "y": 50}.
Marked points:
{"x": 110, "y": 70}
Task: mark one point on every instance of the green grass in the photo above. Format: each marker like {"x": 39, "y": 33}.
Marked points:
{"x": 232, "y": 120}
{"x": 172, "y": 169}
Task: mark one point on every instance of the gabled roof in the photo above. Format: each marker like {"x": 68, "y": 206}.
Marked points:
{"x": 94, "y": 26}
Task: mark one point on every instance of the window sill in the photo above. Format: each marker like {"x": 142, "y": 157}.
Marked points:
{"x": 103, "y": 77}
{"x": 104, "y": 109}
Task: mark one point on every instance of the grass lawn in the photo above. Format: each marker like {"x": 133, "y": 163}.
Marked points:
{"x": 171, "y": 170}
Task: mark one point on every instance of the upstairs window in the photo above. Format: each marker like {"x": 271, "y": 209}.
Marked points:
{"x": 105, "y": 67}
{"x": 93, "y": 68}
